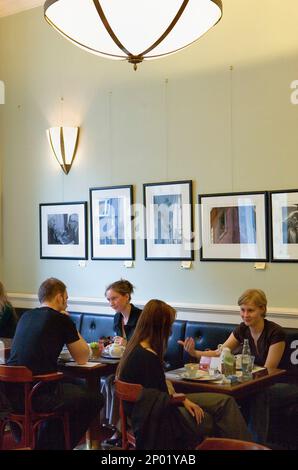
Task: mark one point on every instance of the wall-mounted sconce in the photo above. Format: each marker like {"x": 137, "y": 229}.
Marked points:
{"x": 64, "y": 143}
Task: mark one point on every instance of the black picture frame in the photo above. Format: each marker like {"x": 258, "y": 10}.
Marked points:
{"x": 234, "y": 226}
{"x": 111, "y": 217}
{"x": 168, "y": 221}
{"x": 63, "y": 230}
{"x": 283, "y": 215}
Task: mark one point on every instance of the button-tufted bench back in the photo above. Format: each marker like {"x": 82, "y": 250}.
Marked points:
{"x": 207, "y": 335}
{"x": 174, "y": 355}
{"x": 95, "y": 326}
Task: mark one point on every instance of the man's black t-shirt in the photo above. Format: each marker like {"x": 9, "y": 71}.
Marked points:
{"x": 40, "y": 335}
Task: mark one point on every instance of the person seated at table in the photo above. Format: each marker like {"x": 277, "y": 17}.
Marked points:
{"x": 8, "y": 317}
{"x": 267, "y": 344}
{"x": 126, "y": 317}
{"x": 266, "y": 338}
{"x": 40, "y": 336}
{"x": 201, "y": 414}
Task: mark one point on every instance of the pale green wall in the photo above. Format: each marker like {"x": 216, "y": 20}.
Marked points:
{"x": 226, "y": 130}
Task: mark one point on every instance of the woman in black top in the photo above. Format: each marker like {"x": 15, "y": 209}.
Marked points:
{"x": 142, "y": 363}
{"x": 266, "y": 338}
{"x": 267, "y": 344}
{"x": 118, "y": 295}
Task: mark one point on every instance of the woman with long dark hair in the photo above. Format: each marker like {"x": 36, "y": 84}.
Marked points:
{"x": 201, "y": 414}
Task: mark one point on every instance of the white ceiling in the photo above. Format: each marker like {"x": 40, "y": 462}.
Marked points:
{"x": 9, "y": 7}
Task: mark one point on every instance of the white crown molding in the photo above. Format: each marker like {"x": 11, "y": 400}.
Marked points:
{"x": 287, "y": 317}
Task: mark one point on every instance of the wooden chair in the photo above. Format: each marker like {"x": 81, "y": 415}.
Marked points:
{"x": 130, "y": 393}
{"x": 30, "y": 420}
{"x": 214, "y": 443}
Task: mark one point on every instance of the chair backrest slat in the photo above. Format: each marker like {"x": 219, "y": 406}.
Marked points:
{"x": 128, "y": 391}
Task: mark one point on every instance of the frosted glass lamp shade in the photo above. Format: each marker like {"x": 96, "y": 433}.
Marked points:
{"x": 134, "y": 30}
{"x": 63, "y": 142}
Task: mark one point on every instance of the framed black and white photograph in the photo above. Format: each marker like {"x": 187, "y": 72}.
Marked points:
{"x": 168, "y": 221}
{"x": 284, "y": 225}
{"x": 63, "y": 230}
{"x": 111, "y": 223}
{"x": 233, "y": 227}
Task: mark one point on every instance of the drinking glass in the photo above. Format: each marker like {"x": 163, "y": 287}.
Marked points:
{"x": 247, "y": 367}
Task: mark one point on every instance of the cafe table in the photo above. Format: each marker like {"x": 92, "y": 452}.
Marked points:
{"x": 91, "y": 372}
{"x": 260, "y": 380}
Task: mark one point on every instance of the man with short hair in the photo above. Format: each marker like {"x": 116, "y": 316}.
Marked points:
{"x": 40, "y": 336}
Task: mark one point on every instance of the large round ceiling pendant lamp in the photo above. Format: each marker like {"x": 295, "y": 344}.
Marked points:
{"x": 134, "y": 30}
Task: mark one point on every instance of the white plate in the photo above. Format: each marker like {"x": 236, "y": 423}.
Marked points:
{"x": 201, "y": 378}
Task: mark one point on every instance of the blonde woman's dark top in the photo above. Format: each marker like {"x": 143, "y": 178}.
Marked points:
{"x": 271, "y": 334}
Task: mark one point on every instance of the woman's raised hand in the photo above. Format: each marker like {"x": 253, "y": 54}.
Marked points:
{"x": 189, "y": 346}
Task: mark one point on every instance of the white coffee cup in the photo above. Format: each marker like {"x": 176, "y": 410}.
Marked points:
{"x": 115, "y": 350}
{"x": 191, "y": 369}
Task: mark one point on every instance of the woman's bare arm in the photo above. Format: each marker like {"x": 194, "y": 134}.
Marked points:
{"x": 189, "y": 346}
{"x": 274, "y": 355}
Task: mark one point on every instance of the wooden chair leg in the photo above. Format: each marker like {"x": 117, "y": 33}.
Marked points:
{"x": 66, "y": 429}
{"x": 2, "y": 430}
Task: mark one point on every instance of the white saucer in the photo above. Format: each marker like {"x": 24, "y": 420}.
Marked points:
{"x": 108, "y": 356}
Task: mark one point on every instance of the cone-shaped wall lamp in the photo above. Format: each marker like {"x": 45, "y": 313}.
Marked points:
{"x": 64, "y": 142}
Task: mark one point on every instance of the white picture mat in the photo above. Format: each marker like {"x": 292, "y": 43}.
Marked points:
{"x": 63, "y": 251}
{"x": 282, "y": 251}
{"x": 168, "y": 250}
{"x": 101, "y": 250}
{"x": 234, "y": 250}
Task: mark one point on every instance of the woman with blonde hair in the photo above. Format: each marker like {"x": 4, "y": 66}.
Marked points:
{"x": 8, "y": 317}
{"x": 266, "y": 338}
{"x": 158, "y": 427}
{"x": 267, "y": 343}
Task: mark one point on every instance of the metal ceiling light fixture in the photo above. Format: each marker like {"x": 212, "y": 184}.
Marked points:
{"x": 63, "y": 142}
{"x": 134, "y": 30}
